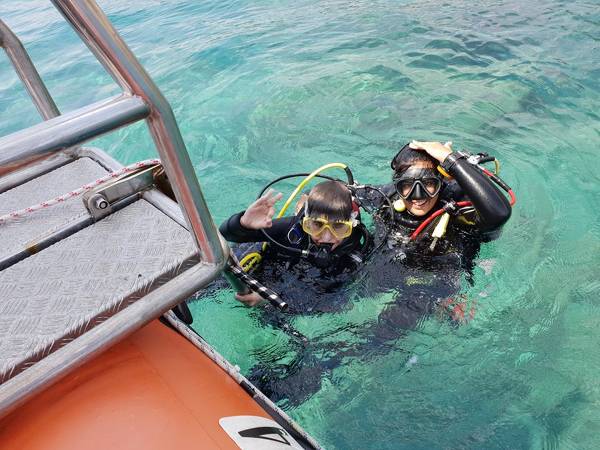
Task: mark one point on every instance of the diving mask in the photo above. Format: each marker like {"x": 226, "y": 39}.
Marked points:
{"x": 418, "y": 183}
{"x": 341, "y": 229}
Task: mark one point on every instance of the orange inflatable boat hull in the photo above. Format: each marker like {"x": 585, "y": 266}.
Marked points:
{"x": 153, "y": 390}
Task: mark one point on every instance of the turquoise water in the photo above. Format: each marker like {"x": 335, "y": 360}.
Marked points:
{"x": 263, "y": 89}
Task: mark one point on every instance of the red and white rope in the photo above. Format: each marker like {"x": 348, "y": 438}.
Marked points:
{"x": 86, "y": 187}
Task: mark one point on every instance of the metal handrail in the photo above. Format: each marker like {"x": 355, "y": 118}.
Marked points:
{"x": 27, "y": 73}
{"x": 94, "y": 28}
{"x": 141, "y": 99}
{"x": 71, "y": 128}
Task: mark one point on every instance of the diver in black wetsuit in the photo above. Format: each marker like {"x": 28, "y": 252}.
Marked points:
{"x": 325, "y": 236}
{"x": 419, "y": 184}
{"x": 423, "y": 273}
{"x": 438, "y": 226}
{"x": 310, "y": 259}
{"x": 437, "y": 214}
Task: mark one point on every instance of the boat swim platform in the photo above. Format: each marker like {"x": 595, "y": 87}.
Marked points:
{"x": 82, "y": 276}
{"x": 72, "y": 284}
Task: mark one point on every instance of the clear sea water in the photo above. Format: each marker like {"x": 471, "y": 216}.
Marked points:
{"x": 261, "y": 89}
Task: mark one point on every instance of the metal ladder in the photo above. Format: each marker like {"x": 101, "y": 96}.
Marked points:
{"x": 78, "y": 278}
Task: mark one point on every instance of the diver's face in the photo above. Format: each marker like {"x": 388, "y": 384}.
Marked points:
{"x": 422, "y": 206}
{"x": 326, "y": 237}
{"x": 325, "y": 232}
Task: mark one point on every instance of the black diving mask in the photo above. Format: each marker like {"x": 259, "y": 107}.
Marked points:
{"x": 418, "y": 183}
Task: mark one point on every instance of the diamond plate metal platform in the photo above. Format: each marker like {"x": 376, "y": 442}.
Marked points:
{"x": 20, "y": 233}
{"x": 56, "y": 295}
{"x": 87, "y": 280}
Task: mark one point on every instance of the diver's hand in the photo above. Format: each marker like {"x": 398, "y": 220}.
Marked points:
{"x": 436, "y": 150}
{"x": 260, "y": 213}
{"x": 251, "y": 299}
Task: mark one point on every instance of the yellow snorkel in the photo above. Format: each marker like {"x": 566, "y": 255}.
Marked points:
{"x": 309, "y": 177}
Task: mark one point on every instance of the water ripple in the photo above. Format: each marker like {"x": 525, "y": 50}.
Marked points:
{"x": 263, "y": 89}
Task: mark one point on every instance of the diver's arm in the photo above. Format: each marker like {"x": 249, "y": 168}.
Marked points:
{"x": 247, "y": 225}
{"x": 492, "y": 206}
{"x": 234, "y": 231}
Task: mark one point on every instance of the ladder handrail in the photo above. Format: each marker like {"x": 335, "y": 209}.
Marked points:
{"x": 96, "y": 31}
{"x": 27, "y": 73}
{"x": 70, "y": 129}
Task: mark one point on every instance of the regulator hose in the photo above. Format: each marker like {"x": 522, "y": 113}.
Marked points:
{"x": 304, "y": 182}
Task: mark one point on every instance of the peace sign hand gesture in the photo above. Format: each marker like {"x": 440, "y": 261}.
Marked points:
{"x": 260, "y": 213}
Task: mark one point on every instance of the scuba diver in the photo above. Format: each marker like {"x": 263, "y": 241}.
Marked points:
{"x": 445, "y": 204}
{"x": 310, "y": 258}
{"x": 471, "y": 198}
{"x": 325, "y": 237}
{"x": 429, "y": 224}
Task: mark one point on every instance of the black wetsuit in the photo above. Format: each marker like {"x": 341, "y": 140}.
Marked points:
{"x": 467, "y": 228}
{"x": 491, "y": 208}
{"x": 424, "y": 277}
{"x": 419, "y": 278}
{"x": 308, "y": 288}
{"x": 304, "y": 282}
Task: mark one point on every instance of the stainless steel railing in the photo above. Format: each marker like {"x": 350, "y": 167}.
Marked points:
{"x": 27, "y": 73}
{"x": 141, "y": 99}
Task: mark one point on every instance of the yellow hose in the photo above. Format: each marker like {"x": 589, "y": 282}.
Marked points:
{"x": 250, "y": 260}
{"x": 300, "y": 186}
{"x": 305, "y": 181}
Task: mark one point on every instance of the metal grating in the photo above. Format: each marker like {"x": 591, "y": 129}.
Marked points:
{"x": 54, "y": 296}
{"x": 19, "y": 233}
